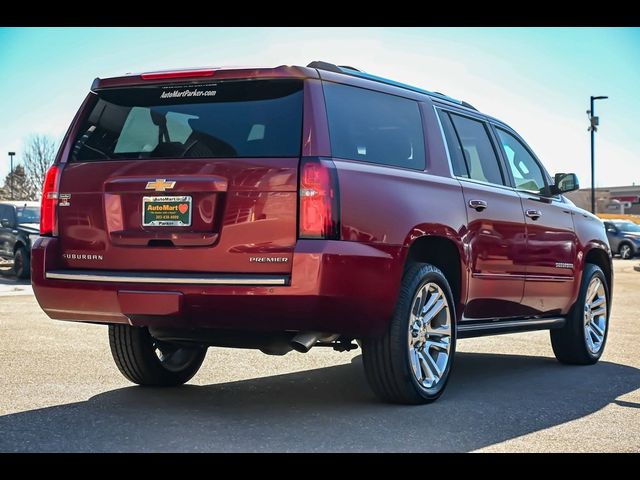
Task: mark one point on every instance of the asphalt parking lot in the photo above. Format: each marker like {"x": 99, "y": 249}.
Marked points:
{"x": 60, "y": 391}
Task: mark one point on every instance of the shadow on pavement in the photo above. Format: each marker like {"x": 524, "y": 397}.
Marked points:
{"x": 491, "y": 398}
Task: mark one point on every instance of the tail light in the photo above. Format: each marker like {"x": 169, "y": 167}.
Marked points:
{"x": 319, "y": 200}
{"x": 48, "y": 214}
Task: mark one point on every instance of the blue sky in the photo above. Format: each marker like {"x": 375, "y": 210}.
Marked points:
{"x": 538, "y": 80}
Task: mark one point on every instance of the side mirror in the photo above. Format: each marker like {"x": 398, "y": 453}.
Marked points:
{"x": 6, "y": 223}
{"x": 564, "y": 182}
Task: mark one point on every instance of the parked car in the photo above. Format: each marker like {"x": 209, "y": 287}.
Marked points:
{"x": 19, "y": 227}
{"x": 297, "y": 207}
{"x": 624, "y": 237}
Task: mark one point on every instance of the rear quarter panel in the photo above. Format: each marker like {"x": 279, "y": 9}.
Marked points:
{"x": 391, "y": 206}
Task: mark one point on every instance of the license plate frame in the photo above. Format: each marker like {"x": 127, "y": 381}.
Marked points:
{"x": 169, "y": 216}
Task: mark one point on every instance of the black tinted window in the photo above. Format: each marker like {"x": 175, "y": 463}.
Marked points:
{"x": 456, "y": 155}
{"x": 374, "y": 127}
{"x": 258, "y": 118}
{"x": 478, "y": 152}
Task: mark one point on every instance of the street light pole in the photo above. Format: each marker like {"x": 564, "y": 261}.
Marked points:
{"x": 11, "y": 154}
{"x": 593, "y": 128}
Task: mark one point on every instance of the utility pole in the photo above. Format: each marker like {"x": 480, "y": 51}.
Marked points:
{"x": 593, "y": 128}
{"x": 11, "y": 154}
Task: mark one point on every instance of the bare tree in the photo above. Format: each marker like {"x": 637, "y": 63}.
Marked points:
{"x": 39, "y": 154}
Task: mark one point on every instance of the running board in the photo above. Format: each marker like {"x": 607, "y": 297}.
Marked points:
{"x": 479, "y": 328}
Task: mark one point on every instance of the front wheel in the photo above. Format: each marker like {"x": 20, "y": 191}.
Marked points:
{"x": 582, "y": 339}
{"x": 146, "y": 361}
{"x": 412, "y": 361}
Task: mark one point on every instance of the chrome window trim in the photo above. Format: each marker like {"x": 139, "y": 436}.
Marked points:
{"x": 444, "y": 140}
{"x": 488, "y": 184}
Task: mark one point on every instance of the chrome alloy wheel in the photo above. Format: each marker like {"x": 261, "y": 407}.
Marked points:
{"x": 595, "y": 315}
{"x": 172, "y": 357}
{"x": 429, "y": 335}
{"x": 625, "y": 252}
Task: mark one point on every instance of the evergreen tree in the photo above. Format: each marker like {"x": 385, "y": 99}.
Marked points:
{"x": 18, "y": 182}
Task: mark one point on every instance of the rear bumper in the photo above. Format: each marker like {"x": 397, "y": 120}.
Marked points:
{"x": 334, "y": 286}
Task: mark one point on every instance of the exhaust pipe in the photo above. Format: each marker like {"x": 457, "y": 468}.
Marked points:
{"x": 303, "y": 341}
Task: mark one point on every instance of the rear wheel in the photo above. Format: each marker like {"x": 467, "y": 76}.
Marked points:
{"x": 581, "y": 341}
{"x": 625, "y": 251}
{"x": 146, "y": 361}
{"x": 21, "y": 263}
{"x": 412, "y": 361}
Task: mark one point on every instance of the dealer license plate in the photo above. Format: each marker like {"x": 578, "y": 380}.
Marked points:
{"x": 166, "y": 211}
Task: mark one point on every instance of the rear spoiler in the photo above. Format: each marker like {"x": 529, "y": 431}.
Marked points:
{"x": 202, "y": 75}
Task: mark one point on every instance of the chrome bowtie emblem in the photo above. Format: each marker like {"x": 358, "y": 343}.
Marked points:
{"x": 160, "y": 185}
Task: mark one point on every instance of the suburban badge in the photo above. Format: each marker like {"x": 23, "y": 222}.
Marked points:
{"x": 81, "y": 256}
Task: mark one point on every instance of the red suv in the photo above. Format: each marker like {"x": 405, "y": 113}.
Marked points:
{"x": 292, "y": 207}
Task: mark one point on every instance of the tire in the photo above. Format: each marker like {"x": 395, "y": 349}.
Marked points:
{"x": 575, "y": 344}
{"x": 134, "y": 351}
{"x": 625, "y": 251}
{"x": 388, "y": 358}
{"x": 21, "y": 263}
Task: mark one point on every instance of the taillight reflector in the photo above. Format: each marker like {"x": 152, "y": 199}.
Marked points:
{"x": 177, "y": 74}
{"x": 319, "y": 200}
{"x": 48, "y": 215}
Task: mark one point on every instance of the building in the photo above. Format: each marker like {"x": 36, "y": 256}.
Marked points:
{"x": 609, "y": 199}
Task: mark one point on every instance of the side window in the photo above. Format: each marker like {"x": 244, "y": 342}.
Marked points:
{"x": 478, "y": 152}
{"x": 456, "y": 154}
{"x": 526, "y": 172}
{"x": 374, "y": 127}
{"x": 6, "y": 211}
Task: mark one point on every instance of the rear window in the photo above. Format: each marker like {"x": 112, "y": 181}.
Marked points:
{"x": 249, "y": 118}
{"x": 374, "y": 127}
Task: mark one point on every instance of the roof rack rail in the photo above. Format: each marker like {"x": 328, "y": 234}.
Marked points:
{"x": 348, "y": 67}
{"x": 330, "y": 67}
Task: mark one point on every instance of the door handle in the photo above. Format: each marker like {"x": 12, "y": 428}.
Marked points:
{"x": 478, "y": 205}
{"x": 533, "y": 214}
